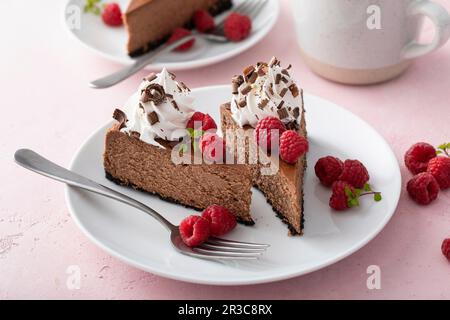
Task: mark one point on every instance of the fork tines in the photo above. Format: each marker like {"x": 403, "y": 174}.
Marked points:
{"x": 228, "y": 249}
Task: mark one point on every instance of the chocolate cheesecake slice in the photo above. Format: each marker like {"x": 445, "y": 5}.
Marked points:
{"x": 141, "y": 151}
{"x": 268, "y": 90}
{"x": 151, "y": 22}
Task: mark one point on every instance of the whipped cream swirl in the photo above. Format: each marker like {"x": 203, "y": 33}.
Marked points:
{"x": 161, "y": 109}
{"x": 265, "y": 90}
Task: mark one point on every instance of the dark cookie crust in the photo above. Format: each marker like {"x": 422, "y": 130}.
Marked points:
{"x": 121, "y": 183}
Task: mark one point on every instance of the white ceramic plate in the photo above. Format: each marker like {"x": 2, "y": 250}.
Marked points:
{"x": 137, "y": 239}
{"x": 111, "y": 42}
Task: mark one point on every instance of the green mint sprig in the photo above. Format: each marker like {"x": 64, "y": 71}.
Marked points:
{"x": 93, "y": 6}
{"x": 444, "y": 149}
{"x": 353, "y": 196}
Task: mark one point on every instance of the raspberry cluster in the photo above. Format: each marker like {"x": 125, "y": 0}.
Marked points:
{"x": 348, "y": 181}
{"x": 431, "y": 168}
{"x": 215, "y": 221}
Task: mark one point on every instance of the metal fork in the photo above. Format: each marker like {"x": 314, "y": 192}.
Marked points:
{"x": 250, "y": 7}
{"x": 214, "y": 248}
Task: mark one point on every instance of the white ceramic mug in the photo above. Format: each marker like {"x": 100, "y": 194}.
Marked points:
{"x": 366, "y": 41}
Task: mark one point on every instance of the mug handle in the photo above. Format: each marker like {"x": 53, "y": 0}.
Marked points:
{"x": 441, "y": 19}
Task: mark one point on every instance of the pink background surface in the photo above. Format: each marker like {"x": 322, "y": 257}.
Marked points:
{"x": 47, "y": 106}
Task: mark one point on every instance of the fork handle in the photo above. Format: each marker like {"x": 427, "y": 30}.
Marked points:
{"x": 139, "y": 64}
{"x": 35, "y": 162}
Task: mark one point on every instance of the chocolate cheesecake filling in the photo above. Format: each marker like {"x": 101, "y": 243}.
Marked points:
{"x": 150, "y": 23}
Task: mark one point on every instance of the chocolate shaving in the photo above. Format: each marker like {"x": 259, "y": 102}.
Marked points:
{"x": 285, "y": 72}
{"x": 168, "y": 95}
{"x": 263, "y": 103}
{"x": 271, "y": 89}
{"x": 141, "y": 106}
{"x": 242, "y": 103}
{"x": 289, "y": 67}
{"x": 253, "y": 77}
{"x": 284, "y": 79}
{"x": 248, "y": 71}
{"x": 135, "y": 134}
{"x": 246, "y": 89}
{"x": 172, "y": 75}
{"x": 175, "y": 105}
{"x": 282, "y": 113}
{"x": 236, "y": 82}
{"x": 283, "y": 92}
{"x": 278, "y": 78}
{"x": 120, "y": 117}
{"x": 294, "y": 90}
{"x": 185, "y": 87}
{"x": 274, "y": 61}
{"x": 154, "y": 92}
{"x": 281, "y": 104}
{"x": 261, "y": 72}
{"x": 296, "y": 112}
{"x": 150, "y": 77}
{"x": 152, "y": 118}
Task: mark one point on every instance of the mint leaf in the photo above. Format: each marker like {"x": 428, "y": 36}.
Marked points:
{"x": 353, "y": 203}
{"x": 195, "y": 145}
{"x": 190, "y": 131}
{"x": 348, "y": 193}
{"x": 377, "y": 197}
{"x": 443, "y": 146}
{"x": 198, "y": 133}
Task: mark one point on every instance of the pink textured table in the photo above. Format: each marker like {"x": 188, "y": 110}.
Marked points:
{"x": 47, "y": 106}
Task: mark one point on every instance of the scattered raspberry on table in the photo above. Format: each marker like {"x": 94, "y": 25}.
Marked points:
{"x": 439, "y": 167}
{"x": 423, "y": 188}
{"x": 418, "y": 156}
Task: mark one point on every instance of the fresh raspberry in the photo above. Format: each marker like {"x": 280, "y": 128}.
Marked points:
{"x": 328, "y": 169}
{"x": 292, "y": 146}
{"x": 205, "y": 120}
{"x": 220, "y": 218}
{"x": 423, "y": 188}
{"x": 213, "y": 147}
{"x": 342, "y": 194}
{"x": 179, "y": 33}
{"x": 417, "y": 157}
{"x": 439, "y": 167}
{"x": 203, "y": 21}
{"x": 194, "y": 230}
{"x": 355, "y": 173}
{"x": 237, "y": 27}
{"x": 445, "y": 247}
{"x": 112, "y": 15}
{"x": 263, "y": 131}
